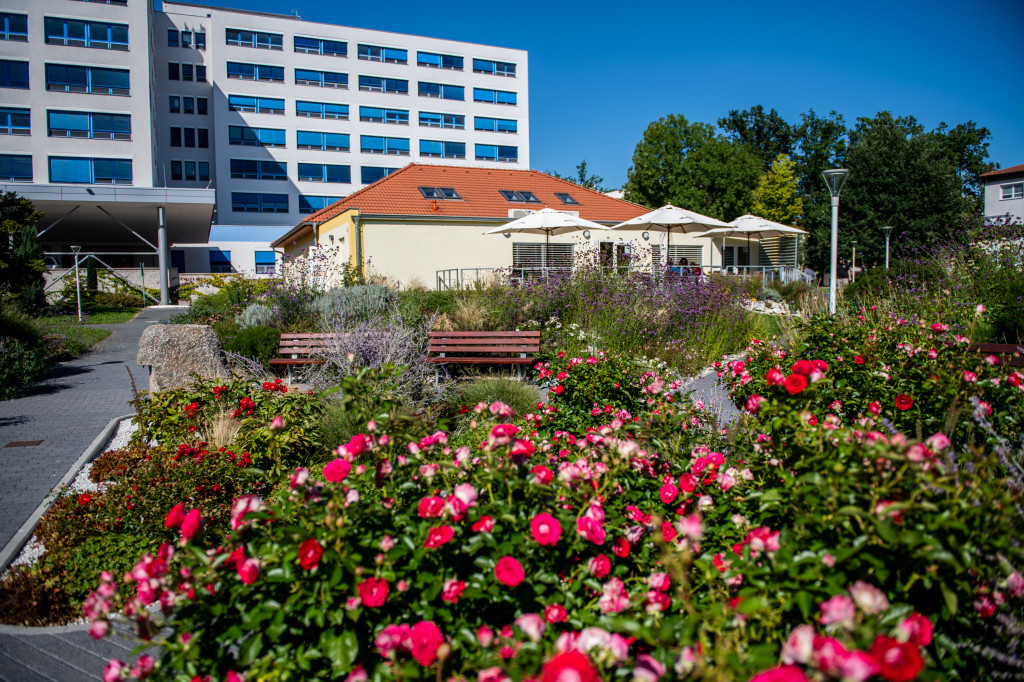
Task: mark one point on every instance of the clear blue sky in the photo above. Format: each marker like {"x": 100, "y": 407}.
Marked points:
{"x": 600, "y": 72}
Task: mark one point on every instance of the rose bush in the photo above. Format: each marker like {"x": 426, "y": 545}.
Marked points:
{"x": 533, "y": 556}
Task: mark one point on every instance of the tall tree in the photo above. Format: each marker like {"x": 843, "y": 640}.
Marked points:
{"x": 767, "y": 134}
{"x": 777, "y": 196}
{"x": 582, "y": 178}
{"x": 966, "y": 148}
{"x": 899, "y": 176}
{"x": 21, "y": 256}
{"x": 691, "y": 166}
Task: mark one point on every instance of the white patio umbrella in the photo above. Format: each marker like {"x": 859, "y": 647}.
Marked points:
{"x": 752, "y": 226}
{"x": 671, "y": 219}
{"x": 547, "y": 221}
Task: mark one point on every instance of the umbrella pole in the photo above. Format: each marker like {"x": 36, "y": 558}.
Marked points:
{"x": 544, "y": 256}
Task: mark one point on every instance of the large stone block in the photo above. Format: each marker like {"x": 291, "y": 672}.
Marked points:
{"x": 175, "y": 352}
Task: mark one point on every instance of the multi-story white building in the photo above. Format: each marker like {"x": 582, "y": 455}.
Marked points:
{"x": 285, "y": 116}
{"x": 115, "y": 116}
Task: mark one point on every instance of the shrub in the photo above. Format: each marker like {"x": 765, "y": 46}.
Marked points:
{"x": 116, "y": 299}
{"x": 259, "y": 343}
{"x": 769, "y": 294}
{"x": 24, "y": 352}
{"x": 360, "y": 302}
{"x": 519, "y": 396}
{"x": 255, "y": 315}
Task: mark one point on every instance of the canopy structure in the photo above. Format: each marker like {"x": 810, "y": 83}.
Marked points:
{"x": 752, "y": 226}
{"x": 671, "y": 219}
{"x": 547, "y": 221}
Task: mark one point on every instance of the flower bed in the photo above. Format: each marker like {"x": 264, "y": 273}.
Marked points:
{"x": 644, "y": 548}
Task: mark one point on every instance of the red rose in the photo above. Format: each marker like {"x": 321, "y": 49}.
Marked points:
{"x": 453, "y": 589}
{"x": 600, "y": 566}
{"x": 438, "y": 536}
{"x": 337, "y": 470}
{"x": 668, "y": 493}
{"x": 858, "y": 359}
{"x": 508, "y": 571}
{"x": 546, "y": 529}
{"x": 175, "y": 516}
{"x": 796, "y": 383}
{"x": 557, "y": 390}
{"x": 775, "y": 377}
{"x": 803, "y": 367}
{"x": 783, "y": 673}
{"x": 84, "y": 499}
{"x": 190, "y": 524}
{"x": 310, "y": 552}
{"x": 430, "y": 507}
{"x": 373, "y": 592}
{"x": 572, "y": 666}
{"x": 248, "y": 571}
{"x": 687, "y": 483}
{"x": 555, "y": 613}
{"x": 668, "y": 531}
{"x": 820, "y": 365}
{"x": 426, "y": 639}
{"x": 899, "y": 661}
{"x": 904, "y": 402}
{"x": 485, "y": 524}
{"x": 620, "y": 547}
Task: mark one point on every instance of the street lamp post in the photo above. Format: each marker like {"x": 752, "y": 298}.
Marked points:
{"x": 853, "y": 262}
{"x": 78, "y": 284}
{"x": 834, "y": 178}
{"x": 887, "y": 229}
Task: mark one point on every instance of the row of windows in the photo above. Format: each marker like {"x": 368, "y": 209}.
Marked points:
{"x": 516, "y": 196}
{"x": 332, "y": 79}
{"x": 89, "y": 79}
{"x": 77, "y": 170}
{"x": 78, "y": 33}
{"x": 97, "y": 126}
{"x": 186, "y": 72}
{"x": 176, "y": 38}
{"x": 190, "y": 137}
{"x": 266, "y": 202}
{"x": 336, "y": 48}
{"x": 188, "y": 105}
{"x": 190, "y": 171}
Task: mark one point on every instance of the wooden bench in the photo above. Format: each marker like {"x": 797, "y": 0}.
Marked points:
{"x": 483, "y": 348}
{"x": 1009, "y": 354}
{"x": 302, "y": 349}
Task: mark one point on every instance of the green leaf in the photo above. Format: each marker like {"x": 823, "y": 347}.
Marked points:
{"x": 949, "y": 597}
{"x": 342, "y": 648}
{"x": 250, "y": 649}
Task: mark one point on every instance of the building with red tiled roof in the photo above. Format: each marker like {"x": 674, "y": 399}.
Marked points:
{"x": 424, "y": 219}
{"x": 1004, "y": 192}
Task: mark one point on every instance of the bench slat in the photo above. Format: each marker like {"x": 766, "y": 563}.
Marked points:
{"x": 483, "y": 361}
{"x": 530, "y": 334}
{"x": 489, "y": 340}
{"x": 481, "y": 349}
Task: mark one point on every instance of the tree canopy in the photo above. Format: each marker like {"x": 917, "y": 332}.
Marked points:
{"x": 21, "y": 257}
{"x": 777, "y": 196}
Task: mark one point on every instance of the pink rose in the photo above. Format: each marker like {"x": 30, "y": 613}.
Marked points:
{"x": 599, "y": 566}
{"x": 838, "y": 609}
{"x": 917, "y": 628}
{"x": 190, "y": 524}
{"x": 546, "y": 529}
{"x": 508, "y": 571}
{"x": 425, "y": 639}
{"x": 452, "y": 590}
{"x": 337, "y": 470}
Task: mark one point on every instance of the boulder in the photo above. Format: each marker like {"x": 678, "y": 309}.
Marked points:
{"x": 176, "y": 352}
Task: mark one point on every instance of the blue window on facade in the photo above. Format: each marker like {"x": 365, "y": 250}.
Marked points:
{"x": 258, "y": 202}
{"x": 90, "y": 79}
{"x": 78, "y": 170}
{"x": 324, "y": 172}
{"x": 321, "y": 110}
{"x": 494, "y": 96}
{"x": 220, "y": 261}
{"x": 79, "y": 33}
{"x": 256, "y": 137}
{"x": 370, "y": 174}
{"x": 442, "y": 91}
{"x": 380, "y": 115}
{"x": 15, "y": 121}
{"x": 257, "y": 105}
{"x": 263, "y": 41}
{"x": 497, "y": 125}
{"x": 329, "y": 48}
{"x": 389, "y": 55}
{"x": 496, "y": 152}
{"x": 439, "y": 61}
{"x": 14, "y": 27}
{"x": 97, "y": 126}
{"x": 494, "y": 68}
{"x": 322, "y": 79}
{"x": 312, "y": 204}
{"x": 253, "y": 169}
{"x": 172, "y": 37}
{"x": 256, "y": 72}
{"x": 443, "y": 150}
{"x": 15, "y": 168}
{"x": 394, "y": 86}
{"x": 429, "y": 119}
{"x": 328, "y": 142}
{"x": 265, "y": 262}
{"x": 13, "y": 74}
{"x": 373, "y": 144}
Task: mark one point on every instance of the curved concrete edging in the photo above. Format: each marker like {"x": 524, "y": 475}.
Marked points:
{"x": 12, "y": 548}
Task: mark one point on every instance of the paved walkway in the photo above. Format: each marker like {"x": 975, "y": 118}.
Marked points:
{"x": 65, "y": 412}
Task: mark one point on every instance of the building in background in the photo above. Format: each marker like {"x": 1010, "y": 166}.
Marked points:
{"x": 1004, "y": 193}
{"x": 117, "y": 116}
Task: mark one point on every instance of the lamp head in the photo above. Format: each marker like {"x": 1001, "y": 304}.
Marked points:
{"x": 887, "y": 229}
{"x": 76, "y": 249}
{"x": 586, "y": 234}
{"x": 508, "y": 235}
{"x": 646, "y": 236}
{"x": 834, "y": 178}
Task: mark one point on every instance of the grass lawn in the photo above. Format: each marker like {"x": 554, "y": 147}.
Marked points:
{"x": 108, "y": 315}
{"x": 68, "y": 338}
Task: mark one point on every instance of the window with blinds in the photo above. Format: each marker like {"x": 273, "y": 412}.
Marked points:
{"x": 692, "y": 254}
{"x": 534, "y": 255}
{"x": 777, "y": 251}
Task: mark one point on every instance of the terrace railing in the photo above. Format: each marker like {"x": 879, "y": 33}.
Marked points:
{"x": 460, "y": 278}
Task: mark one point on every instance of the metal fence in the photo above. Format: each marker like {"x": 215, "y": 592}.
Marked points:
{"x": 461, "y": 278}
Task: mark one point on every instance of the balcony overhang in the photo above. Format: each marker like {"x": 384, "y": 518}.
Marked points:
{"x": 90, "y": 214}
